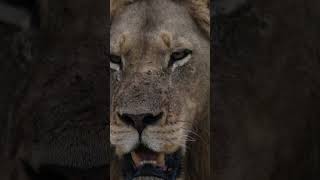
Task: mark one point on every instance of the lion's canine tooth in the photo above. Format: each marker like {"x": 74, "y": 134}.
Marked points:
{"x": 161, "y": 159}
{"x": 135, "y": 158}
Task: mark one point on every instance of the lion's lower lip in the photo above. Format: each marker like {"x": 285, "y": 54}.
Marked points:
{"x": 145, "y": 162}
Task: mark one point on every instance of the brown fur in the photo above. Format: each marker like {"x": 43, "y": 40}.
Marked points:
{"x": 197, "y": 164}
{"x": 199, "y": 10}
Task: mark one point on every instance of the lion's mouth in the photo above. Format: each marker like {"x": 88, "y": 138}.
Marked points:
{"x": 145, "y": 162}
{"x": 143, "y": 156}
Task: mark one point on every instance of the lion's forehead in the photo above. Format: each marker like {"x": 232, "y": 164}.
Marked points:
{"x": 148, "y": 19}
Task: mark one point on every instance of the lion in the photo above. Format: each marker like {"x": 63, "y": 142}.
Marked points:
{"x": 160, "y": 78}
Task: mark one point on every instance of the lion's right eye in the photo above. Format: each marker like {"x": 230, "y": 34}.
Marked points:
{"x": 179, "y": 58}
{"x": 115, "y": 62}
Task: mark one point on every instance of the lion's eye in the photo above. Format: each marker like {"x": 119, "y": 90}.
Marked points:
{"x": 115, "y": 62}
{"x": 179, "y": 58}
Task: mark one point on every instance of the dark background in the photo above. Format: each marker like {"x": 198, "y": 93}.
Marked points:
{"x": 265, "y": 86}
{"x": 55, "y": 86}
{"x": 266, "y": 90}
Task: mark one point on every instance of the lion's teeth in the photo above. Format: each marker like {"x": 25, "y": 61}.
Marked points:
{"x": 139, "y": 160}
{"x": 147, "y": 162}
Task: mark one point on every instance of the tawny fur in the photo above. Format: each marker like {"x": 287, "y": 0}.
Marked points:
{"x": 198, "y": 151}
{"x": 199, "y": 10}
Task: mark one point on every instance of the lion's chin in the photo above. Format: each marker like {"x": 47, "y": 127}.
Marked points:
{"x": 145, "y": 164}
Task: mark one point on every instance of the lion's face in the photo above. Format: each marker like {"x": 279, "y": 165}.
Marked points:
{"x": 160, "y": 83}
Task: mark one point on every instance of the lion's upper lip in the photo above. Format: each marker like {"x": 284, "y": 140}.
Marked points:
{"x": 144, "y": 156}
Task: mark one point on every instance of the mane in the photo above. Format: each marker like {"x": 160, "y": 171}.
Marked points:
{"x": 199, "y": 10}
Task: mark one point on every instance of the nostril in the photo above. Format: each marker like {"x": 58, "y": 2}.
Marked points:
{"x": 140, "y": 121}
{"x": 150, "y": 119}
{"x": 126, "y": 119}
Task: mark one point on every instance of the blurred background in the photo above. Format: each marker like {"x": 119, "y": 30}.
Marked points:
{"x": 266, "y": 89}
{"x": 54, "y": 89}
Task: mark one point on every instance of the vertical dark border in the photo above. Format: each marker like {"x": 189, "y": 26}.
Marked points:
{"x": 211, "y": 97}
{"x": 212, "y": 62}
{"x": 108, "y": 23}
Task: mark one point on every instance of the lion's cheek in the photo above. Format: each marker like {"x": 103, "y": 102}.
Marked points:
{"x": 168, "y": 141}
{"x": 170, "y": 148}
{"x": 190, "y": 111}
{"x": 124, "y": 142}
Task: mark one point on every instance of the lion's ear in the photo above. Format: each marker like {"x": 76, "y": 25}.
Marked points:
{"x": 200, "y": 11}
{"x": 113, "y": 7}
{"x": 117, "y": 5}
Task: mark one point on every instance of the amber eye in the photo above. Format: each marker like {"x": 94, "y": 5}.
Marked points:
{"x": 115, "y": 62}
{"x": 179, "y": 55}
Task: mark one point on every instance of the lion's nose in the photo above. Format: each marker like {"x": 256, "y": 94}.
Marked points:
{"x": 140, "y": 121}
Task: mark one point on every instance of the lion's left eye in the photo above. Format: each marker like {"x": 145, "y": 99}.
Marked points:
{"x": 115, "y": 62}
{"x": 179, "y": 58}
